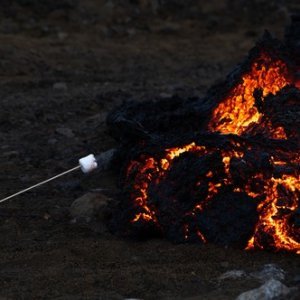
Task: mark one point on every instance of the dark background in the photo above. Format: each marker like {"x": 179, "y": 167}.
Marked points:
{"x": 63, "y": 66}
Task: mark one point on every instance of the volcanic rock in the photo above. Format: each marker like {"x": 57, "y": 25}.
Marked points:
{"x": 269, "y": 271}
{"x": 89, "y": 206}
{"x": 272, "y": 289}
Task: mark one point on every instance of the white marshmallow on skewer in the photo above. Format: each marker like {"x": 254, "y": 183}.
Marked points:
{"x": 88, "y": 163}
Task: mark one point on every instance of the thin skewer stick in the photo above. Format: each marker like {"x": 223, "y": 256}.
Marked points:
{"x": 86, "y": 164}
{"x": 40, "y": 183}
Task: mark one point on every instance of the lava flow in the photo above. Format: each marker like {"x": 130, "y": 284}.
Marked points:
{"x": 238, "y": 110}
{"x": 237, "y": 184}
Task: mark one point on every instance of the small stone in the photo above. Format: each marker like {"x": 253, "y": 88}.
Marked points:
{"x": 89, "y": 206}
{"x": 67, "y": 132}
{"x": 233, "y": 274}
{"x": 269, "y": 271}
{"x": 272, "y": 289}
{"x": 60, "y": 86}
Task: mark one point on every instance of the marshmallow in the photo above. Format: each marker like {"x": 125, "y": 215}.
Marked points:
{"x": 88, "y": 163}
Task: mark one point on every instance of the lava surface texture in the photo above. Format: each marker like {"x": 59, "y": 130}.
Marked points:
{"x": 221, "y": 169}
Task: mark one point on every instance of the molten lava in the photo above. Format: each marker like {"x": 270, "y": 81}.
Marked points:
{"x": 281, "y": 200}
{"x": 238, "y": 110}
{"x": 151, "y": 170}
{"x": 230, "y": 174}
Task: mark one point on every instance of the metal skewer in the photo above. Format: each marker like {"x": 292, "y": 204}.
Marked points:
{"x": 86, "y": 164}
{"x": 40, "y": 183}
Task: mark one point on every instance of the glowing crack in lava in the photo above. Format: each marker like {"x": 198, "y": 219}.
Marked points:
{"x": 274, "y": 214}
{"x": 238, "y": 110}
{"x": 275, "y": 196}
{"x": 152, "y": 170}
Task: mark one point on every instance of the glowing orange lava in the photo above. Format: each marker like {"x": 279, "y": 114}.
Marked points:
{"x": 274, "y": 214}
{"x": 234, "y": 115}
{"x": 149, "y": 170}
{"x": 238, "y": 110}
